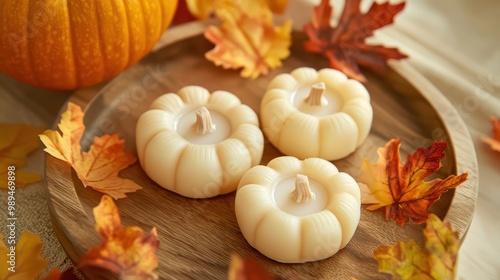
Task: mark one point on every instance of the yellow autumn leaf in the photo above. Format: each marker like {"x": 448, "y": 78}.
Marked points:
{"x": 202, "y": 9}
{"x": 126, "y": 251}
{"x": 247, "y": 37}
{"x": 97, "y": 168}
{"x": 22, "y": 261}
{"x": 437, "y": 260}
{"x": 442, "y": 245}
{"x": 16, "y": 143}
{"x": 400, "y": 258}
{"x": 249, "y": 43}
{"x": 230, "y": 10}
{"x": 66, "y": 146}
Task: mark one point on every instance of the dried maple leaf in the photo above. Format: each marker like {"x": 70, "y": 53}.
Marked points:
{"x": 249, "y": 43}
{"x": 402, "y": 189}
{"x": 125, "y": 250}
{"x": 247, "y": 269}
{"x": 16, "y": 143}
{"x": 494, "y": 141}
{"x": 97, "y": 168}
{"x": 437, "y": 260}
{"x": 66, "y": 147}
{"x": 26, "y": 262}
{"x": 344, "y": 45}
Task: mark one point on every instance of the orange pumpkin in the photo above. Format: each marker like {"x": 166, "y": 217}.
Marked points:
{"x": 63, "y": 44}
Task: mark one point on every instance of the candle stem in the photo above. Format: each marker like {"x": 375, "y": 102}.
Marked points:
{"x": 315, "y": 95}
{"x": 203, "y": 121}
{"x": 302, "y": 192}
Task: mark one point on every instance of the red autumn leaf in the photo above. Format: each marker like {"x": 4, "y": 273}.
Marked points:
{"x": 97, "y": 168}
{"x": 247, "y": 269}
{"x": 126, "y": 251}
{"x": 68, "y": 274}
{"x": 182, "y": 14}
{"x": 494, "y": 141}
{"x": 344, "y": 45}
{"x": 401, "y": 189}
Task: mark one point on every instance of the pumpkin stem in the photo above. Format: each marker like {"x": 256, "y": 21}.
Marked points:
{"x": 203, "y": 121}
{"x": 302, "y": 192}
{"x": 316, "y": 94}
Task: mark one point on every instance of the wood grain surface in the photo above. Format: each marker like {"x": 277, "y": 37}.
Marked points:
{"x": 198, "y": 237}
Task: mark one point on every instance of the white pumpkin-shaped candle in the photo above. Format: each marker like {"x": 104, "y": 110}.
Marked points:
{"x": 296, "y": 211}
{"x": 310, "y": 113}
{"x": 198, "y": 144}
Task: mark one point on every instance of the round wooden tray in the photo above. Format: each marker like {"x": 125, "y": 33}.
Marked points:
{"x": 197, "y": 237}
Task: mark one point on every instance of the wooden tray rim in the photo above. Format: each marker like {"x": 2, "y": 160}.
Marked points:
{"x": 460, "y": 212}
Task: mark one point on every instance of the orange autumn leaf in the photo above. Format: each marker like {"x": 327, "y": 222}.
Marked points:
{"x": 249, "y": 40}
{"x": 247, "y": 269}
{"x": 437, "y": 260}
{"x": 55, "y": 274}
{"x": 401, "y": 189}
{"x": 277, "y": 6}
{"x": 494, "y": 141}
{"x": 97, "y": 168}
{"x": 126, "y": 251}
{"x": 16, "y": 143}
{"x": 344, "y": 46}
{"x": 22, "y": 261}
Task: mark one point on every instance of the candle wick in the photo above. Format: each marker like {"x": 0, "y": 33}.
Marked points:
{"x": 302, "y": 192}
{"x": 203, "y": 121}
{"x": 315, "y": 97}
